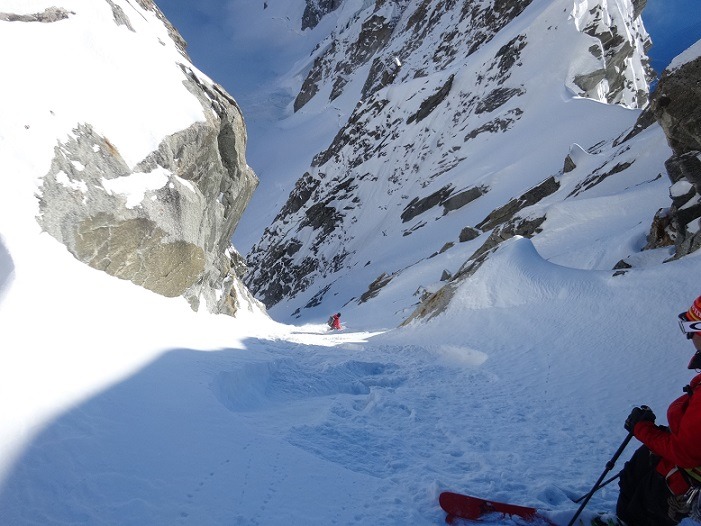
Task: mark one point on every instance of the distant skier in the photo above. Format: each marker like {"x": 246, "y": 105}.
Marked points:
{"x": 334, "y": 322}
{"x": 660, "y": 484}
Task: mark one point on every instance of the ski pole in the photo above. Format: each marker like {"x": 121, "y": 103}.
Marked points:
{"x": 609, "y": 467}
{"x": 605, "y": 483}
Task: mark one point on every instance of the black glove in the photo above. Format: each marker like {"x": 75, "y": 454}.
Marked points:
{"x": 639, "y": 414}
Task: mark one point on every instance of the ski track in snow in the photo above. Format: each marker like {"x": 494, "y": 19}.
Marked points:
{"x": 375, "y": 412}
{"x": 372, "y": 419}
{"x": 381, "y": 412}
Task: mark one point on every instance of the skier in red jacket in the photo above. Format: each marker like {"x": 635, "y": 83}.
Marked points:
{"x": 660, "y": 484}
{"x": 335, "y": 321}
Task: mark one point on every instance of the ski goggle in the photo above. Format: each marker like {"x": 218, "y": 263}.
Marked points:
{"x": 688, "y": 327}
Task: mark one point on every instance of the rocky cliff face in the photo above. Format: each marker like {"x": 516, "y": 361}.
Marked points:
{"x": 459, "y": 125}
{"x": 676, "y": 105}
{"x": 163, "y": 222}
{"x": 386, "y": 34}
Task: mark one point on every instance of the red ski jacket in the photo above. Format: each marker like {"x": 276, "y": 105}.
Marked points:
{"x": 680, "y": 445}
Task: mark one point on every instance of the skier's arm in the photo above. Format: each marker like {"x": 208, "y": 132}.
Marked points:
{"x": 682, "y": 448}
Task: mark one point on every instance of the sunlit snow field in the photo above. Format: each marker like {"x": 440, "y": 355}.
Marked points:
{"x": 120, "y": 407}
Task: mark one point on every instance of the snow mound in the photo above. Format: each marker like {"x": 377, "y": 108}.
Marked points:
{"x": 518, "y": 275}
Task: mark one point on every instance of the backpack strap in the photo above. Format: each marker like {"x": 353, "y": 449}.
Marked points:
{"x": 693, "y": 475}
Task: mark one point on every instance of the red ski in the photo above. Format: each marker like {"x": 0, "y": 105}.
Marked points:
{"x": 475, "y": 508}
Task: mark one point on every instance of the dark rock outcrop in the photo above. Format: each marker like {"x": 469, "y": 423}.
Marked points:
{"x": 430, "y": 104}
{"x": 419, "y": 206}
{"x": 315, "y": 10}
{"x": 375, "y": 287}
{"x": 532, "y": 196}
{"x": 374, "y": 35}
{"x": 677, "y": 106}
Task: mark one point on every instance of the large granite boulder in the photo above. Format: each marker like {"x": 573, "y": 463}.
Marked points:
{"x": 164, "y": 223}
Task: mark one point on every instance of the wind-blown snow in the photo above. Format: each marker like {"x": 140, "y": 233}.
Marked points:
{"x": 118, "y": 406}
{"x": 688, "y": 55}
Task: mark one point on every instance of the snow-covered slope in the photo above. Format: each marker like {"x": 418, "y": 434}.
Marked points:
{"x": 451, "y": 115}
{"x": 120, "y": 406}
